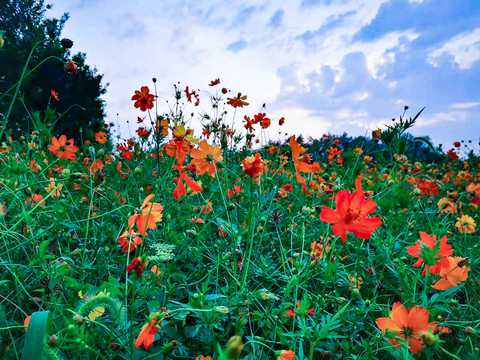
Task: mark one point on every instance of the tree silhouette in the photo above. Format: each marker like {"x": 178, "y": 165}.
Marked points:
{"x": 25, "y": 27}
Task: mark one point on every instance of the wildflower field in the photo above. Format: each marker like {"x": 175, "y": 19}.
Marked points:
{"x": 228, "y": 245}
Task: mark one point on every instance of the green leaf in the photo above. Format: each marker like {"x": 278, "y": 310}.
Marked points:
{"x": 33, "y": 348}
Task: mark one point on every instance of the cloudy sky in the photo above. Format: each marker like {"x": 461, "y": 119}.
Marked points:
{"x": 325, "y": 65}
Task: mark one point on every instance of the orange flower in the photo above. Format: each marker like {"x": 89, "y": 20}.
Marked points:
{"x": 178, "y": 149}
{"x": 301, "y": 164}
{"x": 101, "y": 137}
{"x": 129, "y": 240}
{"x": 429, "y": 252}
{"x": 34, "y": 200}
{"x": 466, "y": 225}
{"x": 238, "y": 101}
{"x": 351, "y": 214}
{"x": 454, "y": 274}
{"x": 55, "y": 190}
{"x": 54, "y": 94}
{"x": 319, "y": 250}
{"x": 406, "y": 325}
{"x": 147, "y": 335}
{"x": 179, "y": 190}
{"x": 253, "y": 165}
{"x": 150, "y": 214}
{"x": 201, "y": 357}
{"x": 206, "y": 158}
{"x": 474, "y": 193}
{"x": 445, "y": 205}
{"x": 63, "y": 148}
{"x": 143, "y": 98}
{"x": 286, "y": 355}
{"x": 71, "y": 67}
{"x": 26, "y": 322}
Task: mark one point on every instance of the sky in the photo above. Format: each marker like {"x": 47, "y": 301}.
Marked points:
{"x": 325, "y": 65}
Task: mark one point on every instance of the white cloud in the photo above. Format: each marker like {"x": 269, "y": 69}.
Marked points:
{"x": 464, "y": 48}
{"x": 442, "y": 117}
{"x": 466, "y": 105}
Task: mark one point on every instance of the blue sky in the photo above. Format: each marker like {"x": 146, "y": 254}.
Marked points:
{"x": 325, "y": 65}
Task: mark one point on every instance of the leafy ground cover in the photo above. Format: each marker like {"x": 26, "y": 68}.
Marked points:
{"x": 225, "y": 245}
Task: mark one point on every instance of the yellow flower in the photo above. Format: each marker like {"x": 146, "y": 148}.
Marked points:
{"x": 466, "y": 225}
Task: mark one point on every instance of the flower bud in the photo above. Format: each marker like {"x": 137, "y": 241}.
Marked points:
{"x": 66, "y": 43}
{"x": 222, "y": 309}
{"x": 78, "y": 319}
{"x": 52, "y": 340}
{"x": 234, "y": 347}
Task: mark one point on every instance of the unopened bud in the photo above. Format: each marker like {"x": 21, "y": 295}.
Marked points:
{"x": 66, "y": 43}
{"x": 234, "y": 347}
{"x": 78, "y": 319}
{"x": 222, "y": 309}
{"x": 52, "y": 340}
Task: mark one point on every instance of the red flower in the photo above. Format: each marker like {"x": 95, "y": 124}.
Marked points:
{"x": 143, "y": 98}
{"x": 351, "y": 214}
{"x": 293, "y": 312}
{"x": 430, "y": 252}
{"x": 253, "y": 165}
{"x": 214, "y": 82}
{"x": 138, "y": 264}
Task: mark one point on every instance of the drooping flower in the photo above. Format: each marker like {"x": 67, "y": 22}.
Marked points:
{"x": 253, "y": 165}
{"x": 143, "y": 98}
{"x": 431, "y": 253}
{"x": 147, "y": 335}
{"x": 351, "y": 214}
{"x": 138, "y": 264}
{"x": 466, "y": 225}
{"x": 63, "y": 148}
{"x": 301, "y": 163}
{"x": 406, "y": 325}
{"x": 179, "y": 190}
{"x": 454, "y": 274}
{"x": 206, "y": 158}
